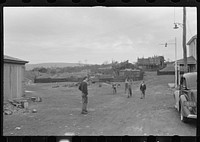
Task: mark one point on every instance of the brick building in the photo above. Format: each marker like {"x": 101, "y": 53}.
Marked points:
{"x": 151, "y": 63}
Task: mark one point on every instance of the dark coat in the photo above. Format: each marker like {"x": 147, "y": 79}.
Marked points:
{"x": 83, "y": 87}
{"x": 143, "y": 87}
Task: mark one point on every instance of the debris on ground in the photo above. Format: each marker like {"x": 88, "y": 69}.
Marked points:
{"x": 71, "y": 85}
{"x": 11, "y": 107}
{"x": 34, "y": 111}
{"x": 17, "y": 128}
{"x": 55, "y": 86}
{"x": 36, "y": 99}
{"x": 20, "y": 105}
{"x": 15, "y": 103}
{"x": 8, "y": 112}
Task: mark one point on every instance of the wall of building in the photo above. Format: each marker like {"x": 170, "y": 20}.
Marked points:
{"x": 13, "y": 81}
{"x": 192, "y": 49}
{"x": 156, "y": 60}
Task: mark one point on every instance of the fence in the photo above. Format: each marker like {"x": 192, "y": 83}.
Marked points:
{"x": 167, "y": 72}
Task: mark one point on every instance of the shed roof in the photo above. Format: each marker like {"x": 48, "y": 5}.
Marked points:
{"x": 8, "y": 59}
{"x": 194, "y": 37}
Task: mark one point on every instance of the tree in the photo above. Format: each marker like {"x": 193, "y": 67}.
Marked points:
{"x": 42, "y": 70}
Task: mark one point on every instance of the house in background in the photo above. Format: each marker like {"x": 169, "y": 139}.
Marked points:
{"x": 13, "y": 77}
{"x": 191, "y": 62}
{"x": 152, "y": 63}
{"x": 192, "y": 45}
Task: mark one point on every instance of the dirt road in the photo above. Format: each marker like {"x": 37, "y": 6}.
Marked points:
{"x": 59, "y": 111}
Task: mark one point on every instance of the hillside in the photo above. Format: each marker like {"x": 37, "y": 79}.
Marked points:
{"x": 49, "y": 65}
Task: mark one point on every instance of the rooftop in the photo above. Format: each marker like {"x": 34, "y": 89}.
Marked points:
{"x": 190, "y": 60}
{"x": 193, "y": 38}
{"x": 8, "y": 59}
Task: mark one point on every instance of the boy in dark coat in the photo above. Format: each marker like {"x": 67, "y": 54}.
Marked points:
{"x": 114, "y": 86}
{"x": 84, "y": 89}
{"x": 142, "y": 89}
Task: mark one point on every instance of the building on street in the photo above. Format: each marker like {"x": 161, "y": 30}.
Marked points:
{"x": 192, "y": 45}
{"x": 191, "y": 62}
{"x": 151, "y": 63}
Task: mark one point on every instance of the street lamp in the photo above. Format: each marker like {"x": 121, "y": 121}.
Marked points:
{"x": 176, "y": 77}
{"x": 176, "y": 25}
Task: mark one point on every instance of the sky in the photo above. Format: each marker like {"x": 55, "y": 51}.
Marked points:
{"x": 94, "y": 35}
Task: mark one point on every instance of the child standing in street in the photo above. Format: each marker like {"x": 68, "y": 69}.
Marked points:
{"x": 142, "y": 89}
{"x": 114, "y": 86}
{"x": 130, "y": 81}
{"x": 126, "y": 85}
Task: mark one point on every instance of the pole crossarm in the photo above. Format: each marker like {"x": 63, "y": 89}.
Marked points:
{"x": 180, "y": 24}
{"x": 167, "y": 43}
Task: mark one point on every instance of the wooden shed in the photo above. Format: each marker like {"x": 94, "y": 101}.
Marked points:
{"x": 13, "y": 80}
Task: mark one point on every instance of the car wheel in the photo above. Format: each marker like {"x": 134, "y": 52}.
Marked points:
{"x": 183, "y": 118}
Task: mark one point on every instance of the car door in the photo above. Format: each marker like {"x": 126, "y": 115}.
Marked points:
{"x": 178, "y": 92}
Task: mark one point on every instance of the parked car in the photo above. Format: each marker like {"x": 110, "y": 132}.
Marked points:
{"x": 186, "y": 97}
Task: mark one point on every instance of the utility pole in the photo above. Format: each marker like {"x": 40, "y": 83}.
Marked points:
{"x": 176, "y": 73}
{"x": 184, "y": 41}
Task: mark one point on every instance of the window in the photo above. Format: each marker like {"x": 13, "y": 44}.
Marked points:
{"x": 184, "y": 83}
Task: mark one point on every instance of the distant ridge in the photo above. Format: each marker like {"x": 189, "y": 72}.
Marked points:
{"x": 49, "y": 65}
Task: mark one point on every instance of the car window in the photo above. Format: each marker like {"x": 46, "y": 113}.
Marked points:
{"x": 184, "y": 83}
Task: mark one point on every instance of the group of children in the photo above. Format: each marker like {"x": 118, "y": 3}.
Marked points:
{"x": 128, "y": 88}
{"x": 83, "y": 87}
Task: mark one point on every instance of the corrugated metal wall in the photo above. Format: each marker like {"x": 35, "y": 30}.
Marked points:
{"x": 13, "y": 80}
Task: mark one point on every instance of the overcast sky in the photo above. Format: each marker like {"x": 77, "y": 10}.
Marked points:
{"x": 94, "y": 35}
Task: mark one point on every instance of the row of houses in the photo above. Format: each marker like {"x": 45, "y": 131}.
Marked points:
{"x": 151, "y": 63}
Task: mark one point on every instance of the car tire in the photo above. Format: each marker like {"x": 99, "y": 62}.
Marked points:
{"x": 183, "y": 118}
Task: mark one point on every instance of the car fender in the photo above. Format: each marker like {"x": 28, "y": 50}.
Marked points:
{"x": 185, "y": 111}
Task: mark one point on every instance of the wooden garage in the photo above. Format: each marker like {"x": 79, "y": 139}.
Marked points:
{"x": 13, "y": 80}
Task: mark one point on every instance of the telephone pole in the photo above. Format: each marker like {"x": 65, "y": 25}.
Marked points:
{"x": 184, "y": 41}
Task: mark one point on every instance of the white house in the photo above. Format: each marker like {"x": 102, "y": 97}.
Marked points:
{"x": 192, "y": 45}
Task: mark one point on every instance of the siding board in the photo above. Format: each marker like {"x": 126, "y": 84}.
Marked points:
{"x": 7, "y": 85}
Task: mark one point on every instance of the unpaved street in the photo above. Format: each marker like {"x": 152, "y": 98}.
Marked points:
{"x": 59, "y": 111}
